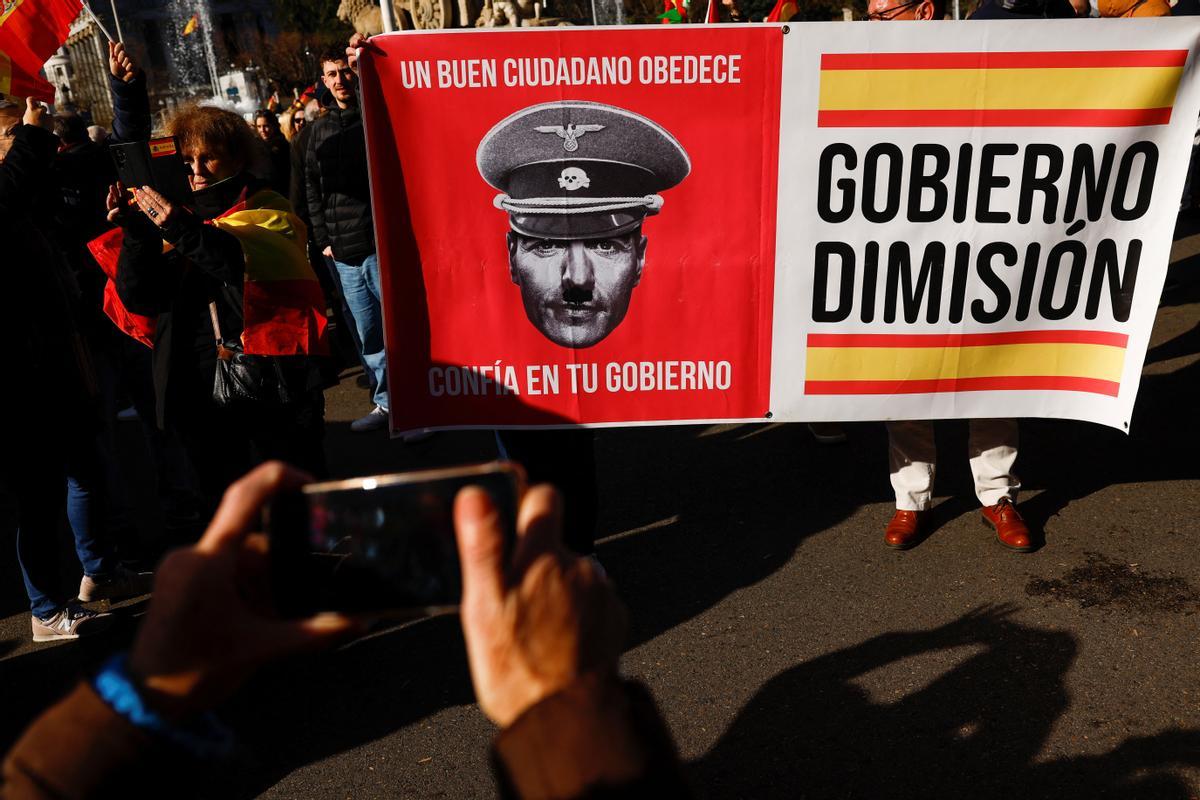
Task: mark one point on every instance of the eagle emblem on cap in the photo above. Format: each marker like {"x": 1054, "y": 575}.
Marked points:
{"x": 570, "y": 134}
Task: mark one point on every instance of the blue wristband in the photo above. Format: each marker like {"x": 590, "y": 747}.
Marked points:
{"x": 205, "y": 738}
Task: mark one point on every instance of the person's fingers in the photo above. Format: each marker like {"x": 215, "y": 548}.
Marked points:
{"x": 539, "y": 526}
{"x": 480, "y": 538}
{"x": 154, "y": 196}
{"x": 240, "y": 507}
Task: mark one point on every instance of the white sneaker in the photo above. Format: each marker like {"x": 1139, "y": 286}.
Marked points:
{"x": 70, "y": 623}
{"x": 377, "y": 419}
{"x": 121, "y": 585}
{"x": 128, "y": 415}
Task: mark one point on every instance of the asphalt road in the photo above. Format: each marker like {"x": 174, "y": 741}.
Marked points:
{"x": 792, "y": 654}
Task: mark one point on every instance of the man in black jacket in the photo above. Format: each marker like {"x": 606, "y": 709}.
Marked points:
{"x": 339, "y": 204}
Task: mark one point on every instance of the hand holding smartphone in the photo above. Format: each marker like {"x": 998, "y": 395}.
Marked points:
{"x": 380, "y": 545}
{"x": 157, "y": 164}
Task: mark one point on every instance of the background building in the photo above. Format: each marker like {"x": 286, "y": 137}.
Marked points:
{"x": 191, "y": 50}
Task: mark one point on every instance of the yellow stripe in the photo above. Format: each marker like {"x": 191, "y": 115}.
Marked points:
{"x": 273, "y": 242}
{"x": 1004, "y": 360}
{"x": 5, "y": 74}
{"x": 927, "y": 89}
{"x": 7, "y": 7}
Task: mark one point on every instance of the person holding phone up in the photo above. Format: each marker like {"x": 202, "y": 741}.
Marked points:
{"x": 543, "y": 631}
{"x": 223, "y": 273}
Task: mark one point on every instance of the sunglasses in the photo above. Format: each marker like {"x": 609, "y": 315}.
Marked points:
{"x": 891, "y": 12}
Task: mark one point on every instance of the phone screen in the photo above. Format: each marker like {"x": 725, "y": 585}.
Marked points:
{"x": 379, "y": 544}
{"x": 157, "y": 164}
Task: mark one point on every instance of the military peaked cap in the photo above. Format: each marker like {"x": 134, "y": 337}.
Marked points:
{"x": 579, "y": 170}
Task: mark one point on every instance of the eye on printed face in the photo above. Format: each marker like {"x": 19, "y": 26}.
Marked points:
{"x": 576, "y": 292}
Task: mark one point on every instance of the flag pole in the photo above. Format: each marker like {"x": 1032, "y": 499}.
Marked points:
{"x": 96, "y": 20}
{"x": 117, "y": 21}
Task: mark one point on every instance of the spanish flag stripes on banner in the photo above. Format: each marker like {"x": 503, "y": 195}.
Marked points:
{"x": 1114, "y": 88}
{"x": 1073, "y": 361}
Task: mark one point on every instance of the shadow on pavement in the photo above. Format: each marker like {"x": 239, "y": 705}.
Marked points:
{"x": 307, "y": 710}
{"x": 1073, "y": 460}
{"x": 975, "y": 731}
{"x": 707, "y": 511}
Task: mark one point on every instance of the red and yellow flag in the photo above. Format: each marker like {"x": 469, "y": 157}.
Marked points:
{"x": 783, "y": 11}
{"x": 191, "y": 25}
{"x": 30, "y": 32}
{"x": 1115, "y": 88}
{"x": 282, "y": 302}
{"x": 920, "y": 363}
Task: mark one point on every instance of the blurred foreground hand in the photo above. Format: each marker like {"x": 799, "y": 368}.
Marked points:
{"x": 535, "y": 624}
{"x": 210, "y": 624}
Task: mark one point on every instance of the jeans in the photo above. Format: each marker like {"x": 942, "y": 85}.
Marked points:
{"x": 42, "y": 486}
{"x": 360, "y": 287}
{"x": 344, "y": 316}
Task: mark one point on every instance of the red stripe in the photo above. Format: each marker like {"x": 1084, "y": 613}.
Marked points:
{"x": 995, "y": 118}
{"x": 284, "y": 318}
{"x": 966, "y": 339}
{"x": 1013, "y": 60}
{"x": 944, "y": 385}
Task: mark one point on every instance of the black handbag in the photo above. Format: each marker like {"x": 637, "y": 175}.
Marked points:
{"x": 245, "y": 379}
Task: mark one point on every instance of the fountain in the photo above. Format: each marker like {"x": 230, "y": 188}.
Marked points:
{"x": 608, "y": 12}
{"x": 194, "y": 62}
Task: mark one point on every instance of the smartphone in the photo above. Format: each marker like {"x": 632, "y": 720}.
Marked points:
{"x": 157, "y": 164}
{"x": 380, "y": 545}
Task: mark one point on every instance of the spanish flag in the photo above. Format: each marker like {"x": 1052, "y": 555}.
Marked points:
{"x": 783, "y": 11}
{"x": 191, "y": 25}
{"x": 282, "y": 303}
{"x": 1114, "y": 88}
{"x": 921, "y": 363}
{"x": 30, "y": 32}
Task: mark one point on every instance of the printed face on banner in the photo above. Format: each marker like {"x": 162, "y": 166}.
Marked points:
{"x": 588, "y": 234}
{"x": 575, "y": 291}
{"x": 578, "y": 179}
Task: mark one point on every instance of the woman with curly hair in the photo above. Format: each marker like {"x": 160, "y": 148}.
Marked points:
{"x": 223, "y": 274}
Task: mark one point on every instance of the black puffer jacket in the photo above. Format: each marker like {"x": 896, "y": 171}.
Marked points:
{"x": 339, "y": 196}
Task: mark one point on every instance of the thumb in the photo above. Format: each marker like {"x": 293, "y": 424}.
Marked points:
{"x": 480, "y": 547}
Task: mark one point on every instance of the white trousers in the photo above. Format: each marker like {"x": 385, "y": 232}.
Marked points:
{"x": 912, "y": 453}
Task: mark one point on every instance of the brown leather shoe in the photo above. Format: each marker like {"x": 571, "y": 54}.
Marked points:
{"x": 904, "y": 531}
{"x": 1011, "y": 530}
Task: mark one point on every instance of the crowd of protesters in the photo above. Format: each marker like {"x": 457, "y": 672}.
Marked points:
{"x": 140, "y": 299}
{"x": 156, "y": 303}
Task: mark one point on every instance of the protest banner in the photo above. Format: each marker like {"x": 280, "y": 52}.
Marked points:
{"x": 809, "y": 222}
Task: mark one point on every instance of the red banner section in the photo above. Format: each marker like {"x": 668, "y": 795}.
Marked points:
{"x": 586, "y": 237}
